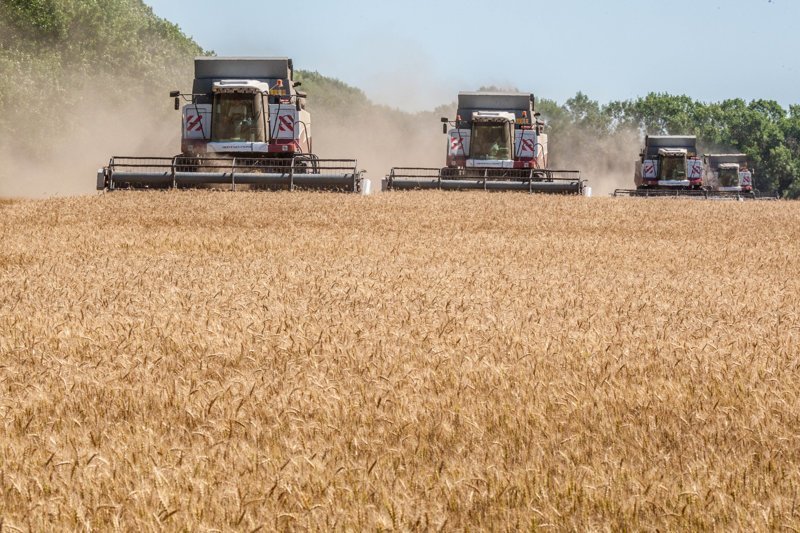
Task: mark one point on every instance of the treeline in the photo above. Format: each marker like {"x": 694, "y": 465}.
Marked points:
{"x": 57, "y": 56}
{"x": 762, "y": 129}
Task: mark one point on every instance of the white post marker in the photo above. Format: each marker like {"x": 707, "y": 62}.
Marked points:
{"x": 366, "y": 187}
{"x": 587, "y": 191}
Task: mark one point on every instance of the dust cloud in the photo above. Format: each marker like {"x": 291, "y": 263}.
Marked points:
{"x": 606, "y": 161}
{"x": 380, "y": 138}
{"x": 64, "y": 158}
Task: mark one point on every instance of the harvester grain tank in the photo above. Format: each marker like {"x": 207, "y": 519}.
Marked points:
{"x": 496, "y": 142}
{"x": 243, "y": 123}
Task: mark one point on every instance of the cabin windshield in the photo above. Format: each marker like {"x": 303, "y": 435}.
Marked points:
{"x": 673, "y": 168}
{"x": 729, "y": 177}
{"x": 237, "y": 118}
{"x": 491, "y": 141}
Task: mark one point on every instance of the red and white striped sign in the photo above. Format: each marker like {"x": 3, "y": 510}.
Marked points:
{"x": 528, "y": 145}
{"x": 286, "y": 124}
{"x": 194, "y": 123}
{"x": 695, "y": 169}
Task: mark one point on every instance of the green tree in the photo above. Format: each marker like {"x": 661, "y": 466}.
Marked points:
{"x": 59, "y": 54}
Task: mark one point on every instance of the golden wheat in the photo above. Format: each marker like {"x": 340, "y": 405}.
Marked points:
{"x": 234, "y": 361}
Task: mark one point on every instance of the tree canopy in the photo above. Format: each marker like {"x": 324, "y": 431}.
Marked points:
{"x": 57, "y": 54}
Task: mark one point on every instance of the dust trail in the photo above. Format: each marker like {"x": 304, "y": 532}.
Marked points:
{"x": 379, "y": 137}
{"x": 65, "y": 160}
{"x": 606, "y": 161}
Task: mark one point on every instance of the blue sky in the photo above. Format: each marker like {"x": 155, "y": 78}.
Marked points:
{"x": 417, "y": 54}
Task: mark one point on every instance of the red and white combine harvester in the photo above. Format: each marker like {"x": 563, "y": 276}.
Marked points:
{"x": 669, "y": 165}
{"x": 244, "y": 123}
{"x": 496, "y": 142}
{"x": 728, "y": 175}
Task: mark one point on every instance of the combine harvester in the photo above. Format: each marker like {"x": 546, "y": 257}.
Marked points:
{"x": 728, "y": 176}
{"x": 244, "y": 123}
{"x": 496, "y": 143}
{"x": 669, "y": 166}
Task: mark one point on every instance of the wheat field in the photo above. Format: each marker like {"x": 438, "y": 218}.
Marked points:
{"x": 408, "y": 361}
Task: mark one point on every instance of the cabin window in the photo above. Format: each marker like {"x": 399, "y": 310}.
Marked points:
{"x": 491, "y": 141}
{"x": 673, "y": 168}
{"x": 236, "y": 118}
{"x": 728, "y": 177}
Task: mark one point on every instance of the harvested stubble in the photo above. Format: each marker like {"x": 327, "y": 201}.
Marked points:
{"x": 411, "y": 361}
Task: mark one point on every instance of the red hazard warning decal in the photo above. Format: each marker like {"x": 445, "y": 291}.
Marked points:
{"x": 286, "y": 123}
{"x": 649, "y": 169}
{"x": 456, "y": 144}
{"x": 194, "y": 123}
{"x": 528, "y": 145}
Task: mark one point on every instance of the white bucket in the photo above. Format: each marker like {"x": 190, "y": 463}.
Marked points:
{"x": 587, "y": 191}
{"x": 366, "y": 187}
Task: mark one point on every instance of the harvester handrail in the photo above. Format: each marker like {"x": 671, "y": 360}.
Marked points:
{"x": 158, "y": 161}
{"x": 235, "y": 162}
